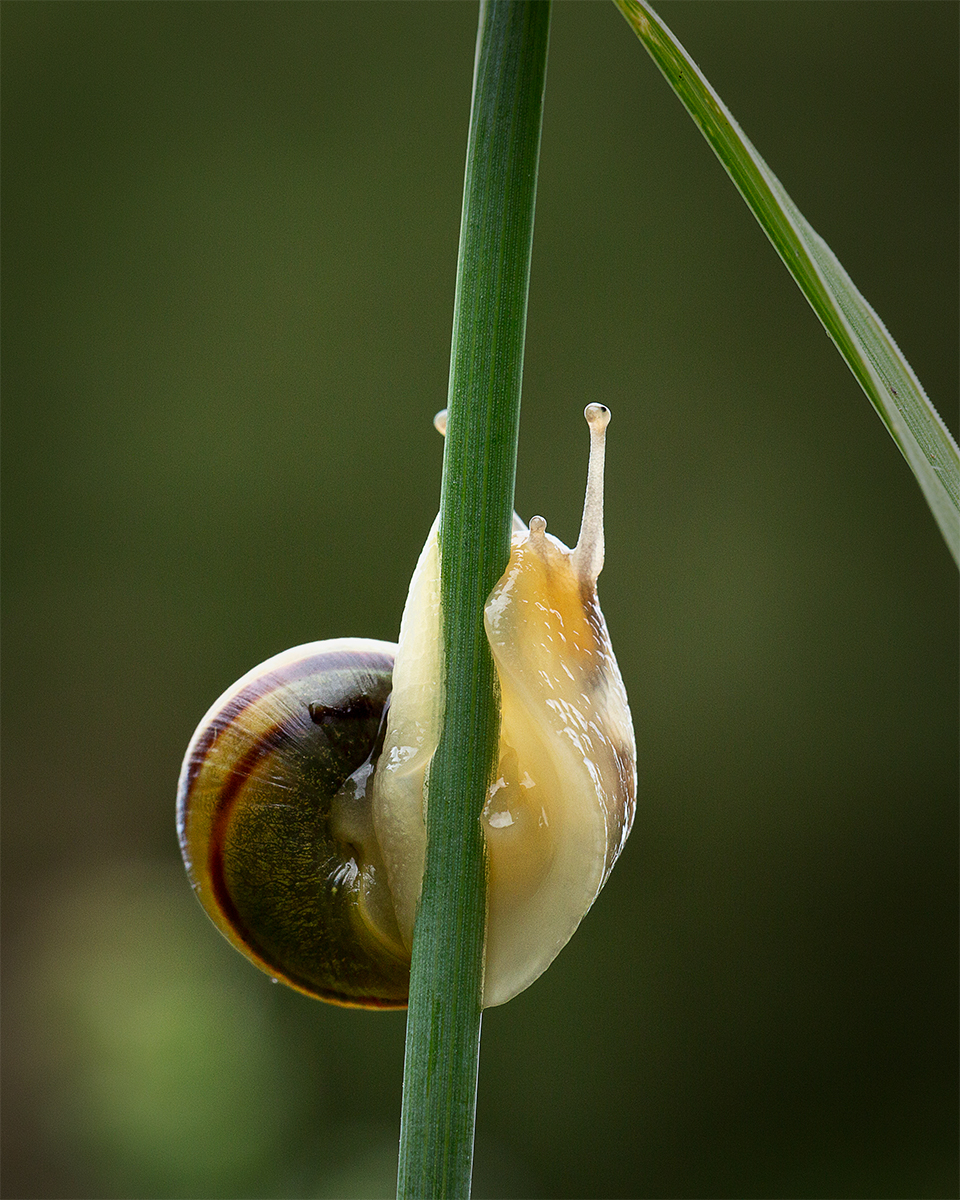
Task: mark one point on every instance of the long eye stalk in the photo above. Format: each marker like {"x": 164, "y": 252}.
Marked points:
{"x": 587, "y": 559}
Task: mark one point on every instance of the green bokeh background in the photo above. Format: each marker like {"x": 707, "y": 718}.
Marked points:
{"x": 230, "y": 241}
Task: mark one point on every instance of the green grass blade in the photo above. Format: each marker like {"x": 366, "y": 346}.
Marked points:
{"x": 858, "y": 333}
{"x": 496, "y": 235}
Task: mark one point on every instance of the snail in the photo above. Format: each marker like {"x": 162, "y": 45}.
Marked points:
{"x": 301, "y": 801}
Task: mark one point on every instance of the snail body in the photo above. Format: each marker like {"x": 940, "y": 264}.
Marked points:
{"x": 301, "y": 805}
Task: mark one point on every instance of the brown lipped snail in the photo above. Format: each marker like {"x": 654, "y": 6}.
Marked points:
{"x": 301, "y": 801}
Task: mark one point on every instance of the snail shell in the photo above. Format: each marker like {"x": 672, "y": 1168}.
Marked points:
{"x": 301, "y": 806}
{"x": 273, "y": 818}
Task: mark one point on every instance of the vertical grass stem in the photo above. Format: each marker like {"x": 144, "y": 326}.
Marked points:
{"x": 496, "y": 234}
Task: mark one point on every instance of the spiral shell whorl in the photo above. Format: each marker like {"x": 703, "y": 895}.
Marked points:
{"x": 270, "y": 816}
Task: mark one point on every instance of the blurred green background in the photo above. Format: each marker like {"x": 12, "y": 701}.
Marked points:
{"x": 229, "y": 245}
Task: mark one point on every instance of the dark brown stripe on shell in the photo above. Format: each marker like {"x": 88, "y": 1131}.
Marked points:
{"x": 272, "y": 740}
